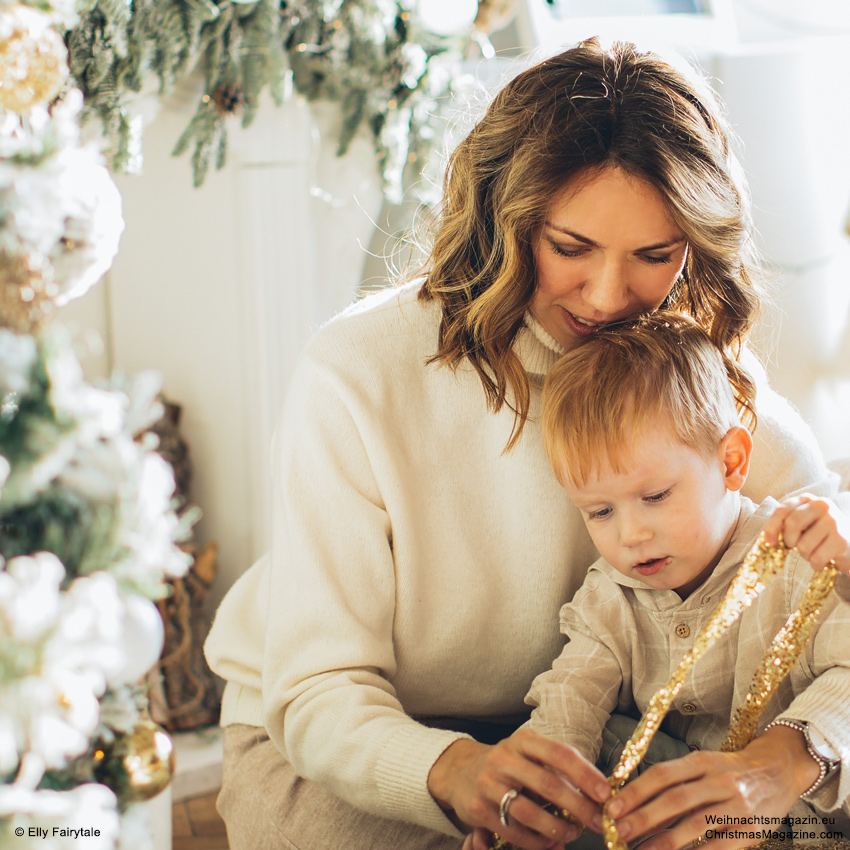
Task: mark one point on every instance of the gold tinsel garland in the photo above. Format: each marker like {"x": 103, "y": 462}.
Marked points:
{"x": 784, "y": 651}
{"x": 761, "y": 564}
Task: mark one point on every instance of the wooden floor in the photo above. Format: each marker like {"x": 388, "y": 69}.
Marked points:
{"x": 195, "y": 825}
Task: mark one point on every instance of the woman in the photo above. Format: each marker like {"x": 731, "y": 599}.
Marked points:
{"x": 421, "y": 547}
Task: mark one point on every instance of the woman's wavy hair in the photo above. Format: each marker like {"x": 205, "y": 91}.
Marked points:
{"x": 587, "y": 108}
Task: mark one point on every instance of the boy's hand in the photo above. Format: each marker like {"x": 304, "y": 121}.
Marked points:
{"x": 815, "y": 528}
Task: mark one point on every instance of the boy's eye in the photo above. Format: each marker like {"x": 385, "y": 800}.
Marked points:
{"x": 600, "y": 514}
{"x": 657, "y": 497}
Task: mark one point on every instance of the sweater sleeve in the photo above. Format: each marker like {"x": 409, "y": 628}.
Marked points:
{"x": 574, "y": 699}
{"x": 329, "y": 661}
{"x": 821, "y": 683}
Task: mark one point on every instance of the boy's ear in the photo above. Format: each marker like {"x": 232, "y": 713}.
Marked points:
{"x": 735, "y": 450}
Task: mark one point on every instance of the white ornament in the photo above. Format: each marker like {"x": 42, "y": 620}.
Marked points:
{"x": 142, "y": 640}
{"x": 18, "y": 356}
{"x": 447, "y": 17}
{"x": 93, "y": 224}
{"x": 29, "y": 596}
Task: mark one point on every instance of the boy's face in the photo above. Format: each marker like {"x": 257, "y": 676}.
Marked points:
{"x": 668, "y": 515}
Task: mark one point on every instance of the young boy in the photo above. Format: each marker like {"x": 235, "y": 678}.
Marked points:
{"x": 642, "y": 429}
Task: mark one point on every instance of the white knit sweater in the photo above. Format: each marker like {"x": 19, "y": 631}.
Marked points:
{"x": 417, "y": 569}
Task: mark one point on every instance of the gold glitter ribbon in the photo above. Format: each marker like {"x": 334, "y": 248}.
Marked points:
{"x": 784, "y": 651}
{"x": 761, "y": 564}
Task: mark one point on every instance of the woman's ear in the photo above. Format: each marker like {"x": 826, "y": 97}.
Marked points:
{"x": 735, "y": 450}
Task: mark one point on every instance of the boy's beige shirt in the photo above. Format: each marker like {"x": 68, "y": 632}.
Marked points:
{"x": 626, "y": 640}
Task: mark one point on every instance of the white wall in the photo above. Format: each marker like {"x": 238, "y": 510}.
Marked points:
{"x": 219, "y": 288}
{"x": 787, "y": 101}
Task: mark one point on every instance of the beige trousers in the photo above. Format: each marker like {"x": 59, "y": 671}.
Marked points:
{"x": 266, "y": 806}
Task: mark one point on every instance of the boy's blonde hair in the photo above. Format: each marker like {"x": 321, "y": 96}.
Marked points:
{"x": 599, "y": 395}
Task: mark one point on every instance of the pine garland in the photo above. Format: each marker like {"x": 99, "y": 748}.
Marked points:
{"x": 370, "y": 56}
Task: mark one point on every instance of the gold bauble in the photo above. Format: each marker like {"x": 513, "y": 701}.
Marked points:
{"x": 33, "y": 59}
{"x": 140, "y": 765}
{"x": 25, "y": 295}
{"x": 494, "y": 15}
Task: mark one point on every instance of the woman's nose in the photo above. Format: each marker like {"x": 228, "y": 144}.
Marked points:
{"x": 606, "y": 290}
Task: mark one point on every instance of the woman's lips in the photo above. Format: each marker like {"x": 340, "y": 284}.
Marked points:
{"x": 650, "y": 568}
{"x": 578, "y": 327}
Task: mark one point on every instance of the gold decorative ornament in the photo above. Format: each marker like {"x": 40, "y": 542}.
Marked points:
{"x": 494, "y": 15}
{"x": 25, "y": 297}
{"x": 33, "y": 59}
{"x": 784, "y": 651}
{"x": 760, "y": 565}
{"x": 137, "y": 766}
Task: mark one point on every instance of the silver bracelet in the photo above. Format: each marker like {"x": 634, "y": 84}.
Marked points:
{"x": 825, "y": 764}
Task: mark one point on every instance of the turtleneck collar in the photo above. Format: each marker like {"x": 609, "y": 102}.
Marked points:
{"x": 536, "y": 349}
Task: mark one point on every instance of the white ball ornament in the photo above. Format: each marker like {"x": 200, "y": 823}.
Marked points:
{"x": 447, "y": 17}
{"x": 142, "y": 638}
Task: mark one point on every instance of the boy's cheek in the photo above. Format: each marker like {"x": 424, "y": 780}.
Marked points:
{"x": 607, "y": 548}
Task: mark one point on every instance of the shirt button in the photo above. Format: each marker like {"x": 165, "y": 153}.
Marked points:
{"x": 682, "y": 630}
{"x": 689, "y": 708}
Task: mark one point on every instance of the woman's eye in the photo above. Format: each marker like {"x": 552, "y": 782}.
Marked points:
{"x": 657, "y": 261}
{"x": 657, "y": 497}
{"x": 561, "y": 251}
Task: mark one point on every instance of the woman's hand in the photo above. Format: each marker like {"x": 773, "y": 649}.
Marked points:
{"x": 814, "y": 527}
{"x": 764, "y": 779}
{"x": 471, "y": 778}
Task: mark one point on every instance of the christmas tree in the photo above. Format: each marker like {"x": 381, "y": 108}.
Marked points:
{"x": 88, "y": 530}
{"x": 88, "y": 522}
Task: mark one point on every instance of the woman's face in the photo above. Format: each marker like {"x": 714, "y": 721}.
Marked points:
{"x": 608, "y": 250}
